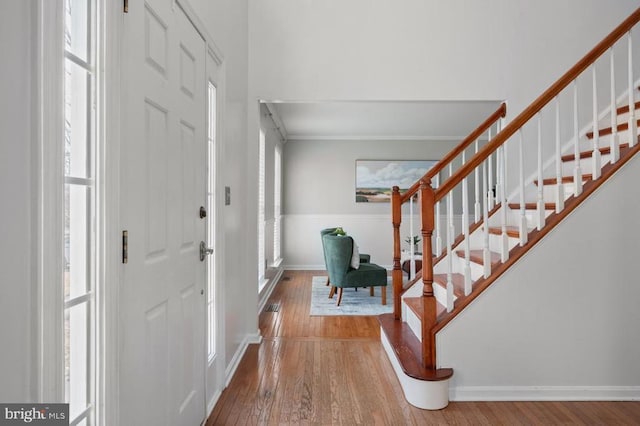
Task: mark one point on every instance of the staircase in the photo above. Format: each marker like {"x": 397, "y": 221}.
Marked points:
{"x": 462, "y": 255}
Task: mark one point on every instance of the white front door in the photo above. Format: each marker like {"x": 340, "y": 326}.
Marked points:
{"x": 163, "y": 175}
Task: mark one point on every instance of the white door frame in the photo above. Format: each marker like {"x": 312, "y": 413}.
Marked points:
{"x": 49, "y": 96}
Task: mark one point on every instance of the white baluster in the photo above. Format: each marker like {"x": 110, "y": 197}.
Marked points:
{"x": 450, "y": 231}
{"x": 596, "y": 167}
{"x": 498, "y": 176}
{"x": 633, "y": 129}
{"x": 615, "y": 142}
{"x": 437, "y": 224}
{"x": 486, "y": 253}
{"x": 465, "y": 230}
{"x": 577, "y": 171}
{"x": 412, "y": 259}
{"x": 504, "y": 247}
{"x": 559, "y": 184}
{"x": 489, "y": 191}
{"x": 476, "y": 206}
{"x": 540, "y": 193}
{"x": 523, "y": 210}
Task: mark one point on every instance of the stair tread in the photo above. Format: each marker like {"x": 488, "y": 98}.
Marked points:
{"x": 532, "y": 206}
{"x": 415, "y": 304}
{"x": 607, "y": 130}
{"x": 587, "y": 154}
{"x": 456, "y": 279}
{"x": 408, "y": 348}
{"x": 625, "y": 108}
{"x": 512, "y": 231}
{"x": 476, "y": 256}
{"x": 563, "y": 179}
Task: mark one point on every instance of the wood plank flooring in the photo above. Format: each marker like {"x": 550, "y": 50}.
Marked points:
{"x": 333, "y": 371}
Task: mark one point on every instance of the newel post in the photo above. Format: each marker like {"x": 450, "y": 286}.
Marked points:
{"x": 396, "y": 218}
{"x": 427, "y": 203}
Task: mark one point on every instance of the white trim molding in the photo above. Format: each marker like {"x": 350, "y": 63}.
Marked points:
{"x": 49, "y": 101}
{"x": 110, "y": 279}
{"x": 545, "y": 393}
{"x": 252, "y": 338}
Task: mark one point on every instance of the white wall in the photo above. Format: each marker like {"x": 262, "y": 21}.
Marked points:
{"x": 563, "y": 321}
{"x": 17, "y": 214}
{"x": 430, "y": 50}
{"x": 424, "y": 50}
{"x": 319, "y": 192}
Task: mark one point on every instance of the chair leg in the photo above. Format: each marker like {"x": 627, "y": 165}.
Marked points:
{"x": 327, "y": 281}
{"x": 332, "y": 292}
{"x": 371, "y": 293}
{"x": 384, "y": 295}
{"x": 339, "y": 296}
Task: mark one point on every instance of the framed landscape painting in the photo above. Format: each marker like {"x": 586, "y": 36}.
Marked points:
{"x": 375, "y": 178}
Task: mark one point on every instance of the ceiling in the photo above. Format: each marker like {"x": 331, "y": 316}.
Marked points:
{"x": 386, "y": 120}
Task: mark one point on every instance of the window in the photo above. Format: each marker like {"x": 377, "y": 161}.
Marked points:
{"x": 261, "y": 211}
{"x": 211, "y": 209}
{"x": 277, "y": 206}
{"x": 79, "y": 280}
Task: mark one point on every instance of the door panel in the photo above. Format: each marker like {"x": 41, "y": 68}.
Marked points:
{"x": 163, "y": 176}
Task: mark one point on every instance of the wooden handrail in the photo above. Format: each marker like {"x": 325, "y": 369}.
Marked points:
{"x": 529, "y": 112}
{"x": 501, "y": 112}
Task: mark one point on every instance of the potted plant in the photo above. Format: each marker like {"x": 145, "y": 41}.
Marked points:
{"x": 413, "y": 240}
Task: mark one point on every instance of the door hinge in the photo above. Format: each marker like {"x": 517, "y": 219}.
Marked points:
{"x": 125, "y": 246}
{"x": 126, "y": 6}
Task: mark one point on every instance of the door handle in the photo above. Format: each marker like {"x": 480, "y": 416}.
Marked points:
{"x": 204, "y": 251}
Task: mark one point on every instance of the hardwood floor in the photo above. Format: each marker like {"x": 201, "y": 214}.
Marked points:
{"x": 333, "y": 371}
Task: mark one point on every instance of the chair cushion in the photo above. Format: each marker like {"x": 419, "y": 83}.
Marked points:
{"x": 368, "y": 275}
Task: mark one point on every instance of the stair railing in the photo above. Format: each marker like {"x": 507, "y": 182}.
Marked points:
{"x": 493, "y": 157}
{"x": 408, "y": 197}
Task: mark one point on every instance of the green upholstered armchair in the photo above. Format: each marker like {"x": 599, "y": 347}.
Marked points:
{"x": 338, "y": 252}
{"x": 364, "y": 258}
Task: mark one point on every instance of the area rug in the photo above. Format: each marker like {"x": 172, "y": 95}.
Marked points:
{"x": 353, "y": 302}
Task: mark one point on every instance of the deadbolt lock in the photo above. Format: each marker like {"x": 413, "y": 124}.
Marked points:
{"x": 203, "y": 212}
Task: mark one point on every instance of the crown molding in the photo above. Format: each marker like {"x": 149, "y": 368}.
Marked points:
{"x": 294, "y": 137}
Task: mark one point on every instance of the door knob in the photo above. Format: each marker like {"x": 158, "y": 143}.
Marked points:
{"x": 204, "y": 251}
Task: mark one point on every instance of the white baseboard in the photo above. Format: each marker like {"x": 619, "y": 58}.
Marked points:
{"x": 212, "y": 402}
{"x": 250, "y": 339}
{"x": 268, "y": 289}
{"x": 235, "y": 361}
{"x": 545, "y": 393}
{"x": 320, "y": 267}
{"x": 254, "y": 338}
{"x": 305, "y": 267}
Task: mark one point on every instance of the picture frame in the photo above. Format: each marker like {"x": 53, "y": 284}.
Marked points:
{"x": 376, "y": 178}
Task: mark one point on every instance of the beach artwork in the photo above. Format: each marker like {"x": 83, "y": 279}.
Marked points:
{"x": 375, "y": 178}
